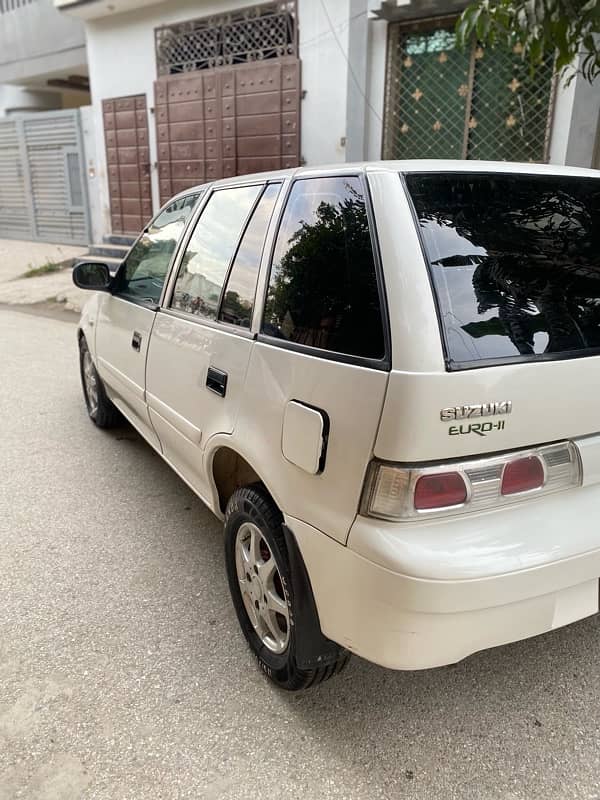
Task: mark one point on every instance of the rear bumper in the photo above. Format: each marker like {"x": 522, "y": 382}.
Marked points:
{"x": 420, "y": 596}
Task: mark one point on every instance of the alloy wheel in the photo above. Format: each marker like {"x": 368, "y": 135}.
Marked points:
{"x": 261, "y": 588}
{"x": 90, "y": 380}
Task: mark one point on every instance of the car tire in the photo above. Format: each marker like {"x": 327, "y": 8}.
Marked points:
{"x": 100, "y": 409}
{"x": 258, "y": 570}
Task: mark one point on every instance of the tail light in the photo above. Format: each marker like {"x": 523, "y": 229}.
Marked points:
{"x": 440, "y": 491}
{"x": 398, "y": 492}
{"x": 522, "y": 475}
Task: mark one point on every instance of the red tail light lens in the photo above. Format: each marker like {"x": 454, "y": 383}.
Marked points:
{"x": 522, "y": 475}
{"x": 399, "y": 492}
{"x": 440, "y": 491}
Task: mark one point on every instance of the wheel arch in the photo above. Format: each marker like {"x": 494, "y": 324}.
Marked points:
{"x": 229, "y": 469}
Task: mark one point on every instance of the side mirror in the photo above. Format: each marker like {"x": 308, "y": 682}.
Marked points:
{"x": 92, "y": 275}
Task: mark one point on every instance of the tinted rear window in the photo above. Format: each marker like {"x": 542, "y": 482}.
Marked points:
{"x": 515, "y": 263}
{"x": 323, "y": 289}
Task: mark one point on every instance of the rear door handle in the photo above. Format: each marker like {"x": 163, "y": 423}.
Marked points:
{"x": 136, "y": 340}
{"x": 216, "y": 381}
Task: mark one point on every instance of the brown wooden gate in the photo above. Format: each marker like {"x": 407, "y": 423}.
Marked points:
{"x": 128, "y": 160}
{"x": 227, "y": 121}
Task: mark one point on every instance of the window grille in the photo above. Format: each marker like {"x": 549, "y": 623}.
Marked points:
{"x": 251, "y": 34}
{"x": 481, "y": 103}
{"x": 73, "y": 180}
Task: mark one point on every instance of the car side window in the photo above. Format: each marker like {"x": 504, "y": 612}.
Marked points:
{"x": 208, "y": 254}
{"x": 323, "y": 286}
{"x": 238, "y": 297}
{"x": 145, "y": 269}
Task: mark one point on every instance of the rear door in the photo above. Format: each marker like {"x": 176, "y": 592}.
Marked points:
{"x": 201, "y": 340}
{"x": 126, "y": 316}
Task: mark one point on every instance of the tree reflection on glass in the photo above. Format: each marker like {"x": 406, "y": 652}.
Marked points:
{"x": 236, "y": 310}
{"x": 515, "y": 261}
{"x": 323, "y": 290}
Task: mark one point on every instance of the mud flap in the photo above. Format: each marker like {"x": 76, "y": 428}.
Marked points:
{"x": 313, "y": 649}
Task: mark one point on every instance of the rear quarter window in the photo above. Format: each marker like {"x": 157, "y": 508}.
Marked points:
{"x": 323, "y": 290}
{"x": 514, "y": 261}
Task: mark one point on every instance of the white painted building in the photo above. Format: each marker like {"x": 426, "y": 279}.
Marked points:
{"x": 43, "y": 64}
{"x": 43, "y": 87}
{"x": 367, "y": 79}
{"x": 122, "y": 62}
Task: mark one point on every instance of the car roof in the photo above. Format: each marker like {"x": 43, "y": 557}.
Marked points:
{"x": 406, "y": 166}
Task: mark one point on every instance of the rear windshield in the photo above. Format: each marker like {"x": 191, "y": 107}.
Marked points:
{"x": 515, "y": 264}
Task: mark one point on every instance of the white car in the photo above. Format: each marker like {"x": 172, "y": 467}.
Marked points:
{"x": 385, "y": 379}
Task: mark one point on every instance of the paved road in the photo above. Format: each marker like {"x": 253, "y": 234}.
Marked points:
{"x": 123, "y": 675}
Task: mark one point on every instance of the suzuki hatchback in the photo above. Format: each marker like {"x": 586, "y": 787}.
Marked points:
{"x": 384, "y": 379}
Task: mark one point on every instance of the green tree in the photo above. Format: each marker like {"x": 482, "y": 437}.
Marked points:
{"x": 542, "y": 28}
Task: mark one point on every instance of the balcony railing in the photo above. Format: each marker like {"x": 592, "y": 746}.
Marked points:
{"x": 13, "y": 5}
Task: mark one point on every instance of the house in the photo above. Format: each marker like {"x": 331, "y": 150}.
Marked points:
{"x": 43, "y": 89}
{"x": 189, "y": 90}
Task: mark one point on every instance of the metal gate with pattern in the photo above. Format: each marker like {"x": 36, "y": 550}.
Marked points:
{"x": 227, "y": 121}
{"x": 481, "y": 103}
{"x": 43, "y": 194}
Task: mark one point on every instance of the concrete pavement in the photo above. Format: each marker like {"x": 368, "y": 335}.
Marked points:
{"x": 123, "y": 675}
{"x": 16, "y": 257}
